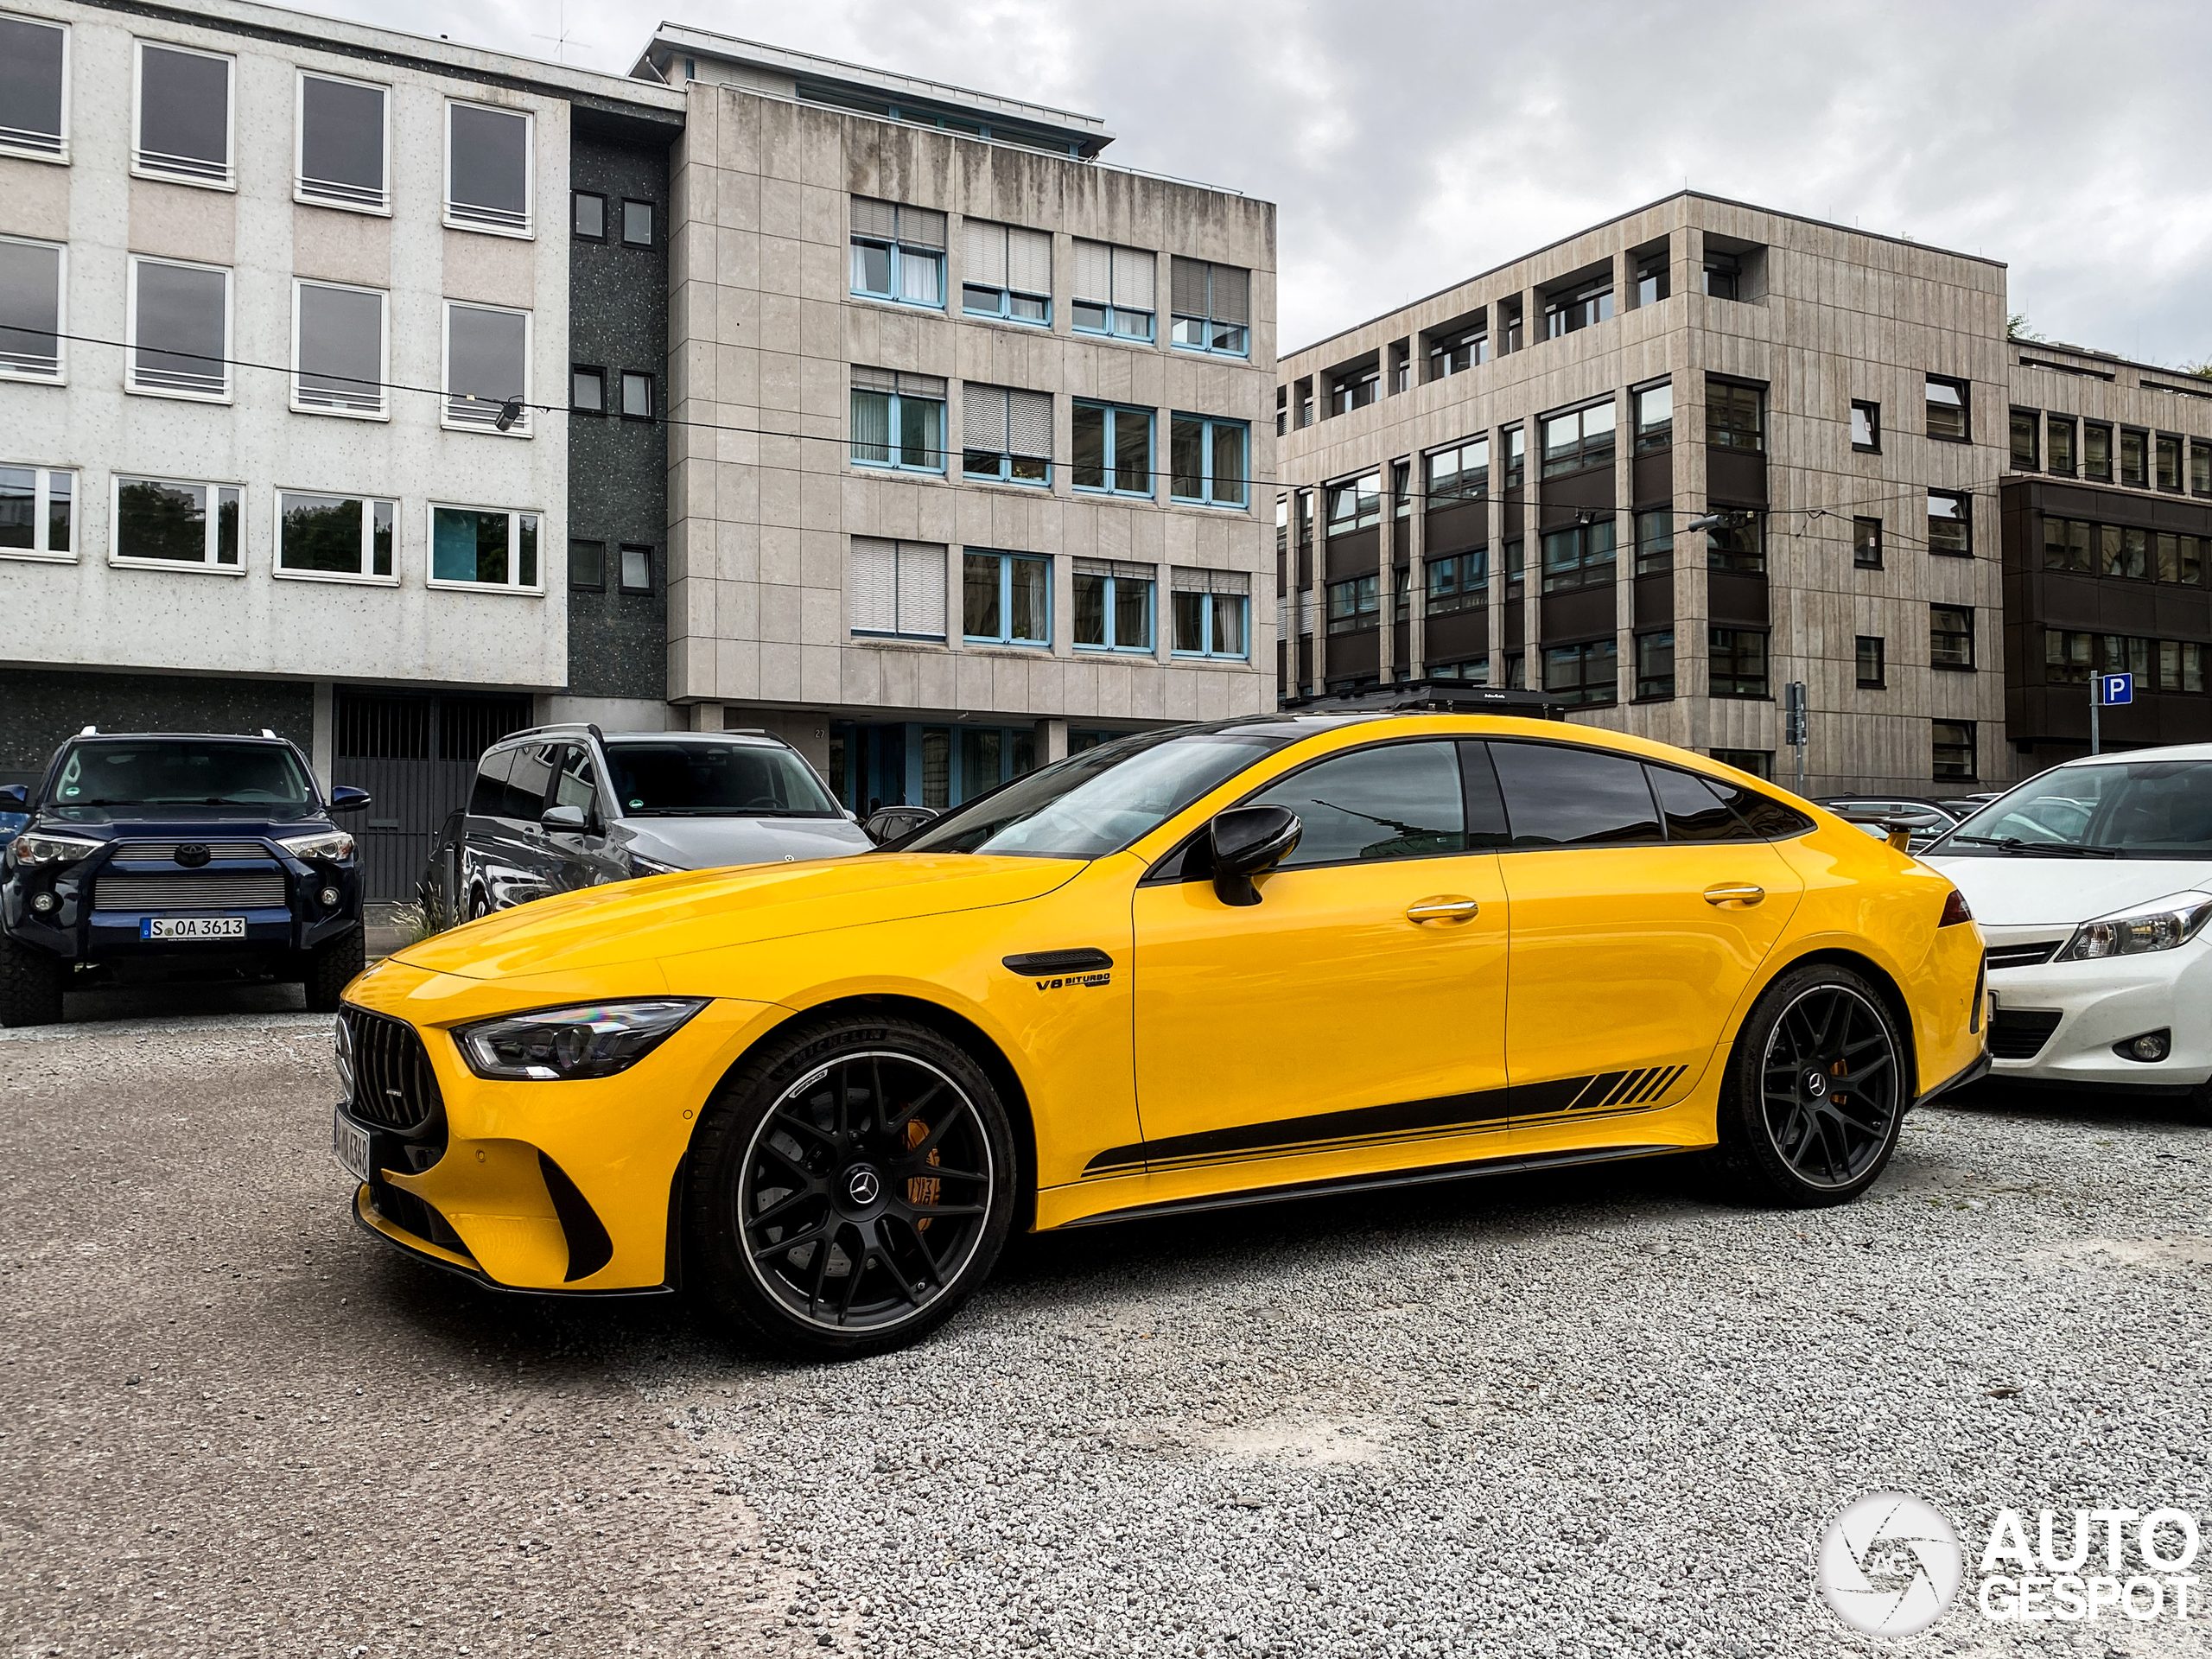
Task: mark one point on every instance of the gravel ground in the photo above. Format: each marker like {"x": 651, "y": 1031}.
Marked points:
{"x": 1574, "y": 1414}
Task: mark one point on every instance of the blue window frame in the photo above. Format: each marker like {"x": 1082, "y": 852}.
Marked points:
{"x": 1115, "y": 291}
{"x": 898, "y": 253}
{"x": 1005, "y": 599}
{"x": 897, "y": 421}
{"x": 1208, "y": 461}
{"x": 1212, "y": 308}
{"x": 1213, "y": 614}
{"x": 1113, "y": 448}
{"x": 1005, "y": 272}
{"x": 1114, "y": 606}
{"x": 1007, "y": 434}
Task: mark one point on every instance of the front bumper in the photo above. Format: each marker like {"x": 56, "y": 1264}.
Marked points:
{"x": 2057, "y": 1022}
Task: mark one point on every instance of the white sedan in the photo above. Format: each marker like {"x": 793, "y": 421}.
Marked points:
{"x": 2093, "y": 884}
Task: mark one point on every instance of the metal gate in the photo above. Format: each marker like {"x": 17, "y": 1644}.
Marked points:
{"x": 415, "y": 756}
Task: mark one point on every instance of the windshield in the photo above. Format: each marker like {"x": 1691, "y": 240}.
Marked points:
{"x": 1101, "y": 800}
{"x": 178, "y": 773}
{"x": 716, "y": 780}
{"x": 2138, "y": 809}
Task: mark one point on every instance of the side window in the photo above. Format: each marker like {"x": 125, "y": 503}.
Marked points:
{"x": 533, "y": 771}
{"x": 1561, "y": 797}
{"x": 1692, "y": 809}
{"x": 488, "y": 798}
{"x": 1400, "y": 800}
{"x": 577, "y": 783}
{"x": 1768, "y": 819}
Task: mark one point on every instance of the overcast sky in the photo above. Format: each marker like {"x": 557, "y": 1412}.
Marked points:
{"x": 1411, "y": 146}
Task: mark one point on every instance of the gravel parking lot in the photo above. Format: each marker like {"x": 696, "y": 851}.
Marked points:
{"x": 1581, "y": 1414}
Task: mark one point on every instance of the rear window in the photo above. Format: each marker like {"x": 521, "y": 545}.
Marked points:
{"x": 671, "y": 780}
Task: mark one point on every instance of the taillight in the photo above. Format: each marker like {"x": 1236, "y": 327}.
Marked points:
{"x": 1955, "y": 909}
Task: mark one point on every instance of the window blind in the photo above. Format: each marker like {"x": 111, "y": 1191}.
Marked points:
{"x": 1210, "y": 581}
{"x": 890, "y": 221}
{"x": 984, "y": 250}
{"x": 1094, "y": 271}
{"x": 898, "y": 586}
{"x": 1120, "y": 567}
{"x": 1029, "y": 261}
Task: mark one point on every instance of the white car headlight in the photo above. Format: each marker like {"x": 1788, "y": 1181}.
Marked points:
{"x": 2160, "y": 925}
{"x": 325, "y": 847}
{"x": 39, "y": 849}
{"x": 593, "y": 1040}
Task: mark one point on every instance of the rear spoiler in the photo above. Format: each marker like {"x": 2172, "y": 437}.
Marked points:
{"x": 1897, "y": 831}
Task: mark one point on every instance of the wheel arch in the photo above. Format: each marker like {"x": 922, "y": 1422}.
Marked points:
{"x": 1885, "y": 986}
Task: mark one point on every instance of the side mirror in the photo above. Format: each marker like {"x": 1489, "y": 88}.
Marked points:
{"x": 16, "y": 798}
{"x": 346, "y": 798}
{"x": 564, "y": 820}
{"x": 1249, "y": 841}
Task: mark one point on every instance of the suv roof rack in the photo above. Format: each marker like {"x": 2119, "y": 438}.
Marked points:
{"x": 1431, "y": 697}
{"x": 554, "y": 726}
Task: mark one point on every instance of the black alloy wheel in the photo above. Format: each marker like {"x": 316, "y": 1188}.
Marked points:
{"x": 1816, "y": 1090}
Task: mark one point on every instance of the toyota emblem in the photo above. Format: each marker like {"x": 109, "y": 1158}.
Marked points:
{"x": 192, "y": 855}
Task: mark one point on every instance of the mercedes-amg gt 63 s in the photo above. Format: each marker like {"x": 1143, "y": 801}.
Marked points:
{"x": 1227, "y": 963}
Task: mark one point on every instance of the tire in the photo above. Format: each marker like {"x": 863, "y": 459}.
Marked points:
{"x": 795, "y": 1173}
{"x": 330, "y": 968}
{"x": 1815, "y": 1091}
{"x": 478, "y": 905}
{"x": 30, "y": 984}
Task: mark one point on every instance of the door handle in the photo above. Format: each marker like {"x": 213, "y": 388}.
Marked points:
{"x": 1741, "y": 893}
{"x": 1444, "y": 907}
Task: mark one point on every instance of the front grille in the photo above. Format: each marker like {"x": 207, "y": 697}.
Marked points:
{"x": 2020, "y": 1033}
{"x": 393, "y": 1085}
{"x": 220, "y": 890}
{"x": 164, "y": 852}
{"x": 2001, "y": 956}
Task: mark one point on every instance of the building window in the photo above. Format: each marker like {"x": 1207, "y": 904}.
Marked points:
{"x": 37, "y": 512}
{"x": 1654, "y": 665}
{"x": 1514, "y": 568}
{"x": 1735, "y": 416}
{"x": 2027, "y": 426}
{"x": 1580, "y": 308}
{"x": 2169, "y": 462}
{"x": 1738, "y": 661}
{"x": 1516, "y": 457}
{"x": 1475, "y": 670}
{"x": 1354, "y": 605}
{"x": 1954, "y": 756}
{"x": 1866, "y": 428}
{"x": 2181, "y": 558}
{"x": 1950, "y": 523}
{"x": 1655, "y": 417}
{"x": 31, "y": 307}
{"x": 1949, "y": 410}
{"x": 1206, "y": 461}
{"x": 2123, "y": 655}
{"x": 1304, "y": 403}
{"x": 487, "y": 370}
{"x": 2058, "y": 444}
{"x": 1653, "y": 282}
{"x": 1212, "y": 307}
{"x": 588, "y": 567}
{"x": 1212, "y": 613}
{"x": 1866, "y": 543}
{"x": 183, "y": 130}
{"x": 1460, "y": 474}
{"x": 1872, "y": 669}
{"x": 1459, "y": 582}
{"x": 1114, "y": 290}
{"x": 158, "y": 521}
{"x": 2068, "y": 543}
{"x": 34, "y": 119}
{"x": 2200, "y": 466}
{"x": 2097, "y": 452}
{"x": 2068, "y": 657}
{"x": 1005, "y": 599}
{"x": 1951, "y": 636}
{"x": 490, "y": 170}
{"x": 587, "y": 215}
{"x": 1579, "y": 439}
{"x": 1114, "y": 604}
{"x": 1007, "y": 272}
{"x": 344, "y": 137}
{"x": 1738, "y": 546}
{"x": 1455, "y": 352}
{"x": 1581, "y": 555}
{"x": 1757, "y": 762}
{"x": 1723, "y": 276}
{"x": 1402, "y": 366}
{"x": 1356, "y": 504}
{"x": 2124, "y": 552}
{"x": 586, "y": 390}
{"x": 637, "y": 569}
{"x": 338, "y": 350}
{"x": 898, "y": 589}
{"x": 179, "y": 329}
{"x": 1113, "y": 448}
{"x": 637, "y": 396}
{"x": 898, "y": 252}
{"x": 898, "y": 420}
{"x": 2133, "y": 446}
{"x": 1282, "y": 410}
{"x": 335, "y": 535}
{"x": 1516, "y": 674}
{"x": 1354, "y": 388}
{"x": 1402, "y": 489}
{"x": 481, "y": 547}
{"x": 1655, "y": 541}
{"x": 1585, "y": 676}
{"x": 636, "y": 224}
{"x": 2181, "y": 666}
{"x": 1005, "y": 434}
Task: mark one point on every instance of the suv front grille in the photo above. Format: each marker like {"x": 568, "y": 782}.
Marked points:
{"x": 213, "y": 890}
{"x": 2020, "y": 1033}
{"x": 393, "y": 1085}
{"x": 164, "y": 852}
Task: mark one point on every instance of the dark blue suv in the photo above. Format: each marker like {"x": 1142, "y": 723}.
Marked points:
{"x": 172, "y": 853}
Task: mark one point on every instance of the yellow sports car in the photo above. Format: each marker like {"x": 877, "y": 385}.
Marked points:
{"x": 1226, "y": 964}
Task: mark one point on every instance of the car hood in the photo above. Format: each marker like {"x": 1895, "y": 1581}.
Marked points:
{"x": 2025, "y": 891}
{"x": 667, "y": 916}
{"x": 103, "y": 823}
{"x": 708, "y": 843}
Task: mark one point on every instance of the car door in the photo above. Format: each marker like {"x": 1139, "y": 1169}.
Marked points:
{"x": 491, "y": 854}
{"x": 1358, "y": 1009}
{"x": 536, "y": 862}
{"x": 581, "y": 858}
{"x": 1644, "y": 905}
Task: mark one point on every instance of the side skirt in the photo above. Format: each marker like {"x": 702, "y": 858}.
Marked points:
{"x": 1429, "y": 1176}
{"x": 1973, "y": 1073}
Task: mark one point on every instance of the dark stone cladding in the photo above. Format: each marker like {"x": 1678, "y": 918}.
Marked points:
{"x": 41, "y": 707}
{"x": 617, "y": 469}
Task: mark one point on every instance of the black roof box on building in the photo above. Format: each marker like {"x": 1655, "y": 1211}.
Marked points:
{"x": 1431, "y": 697}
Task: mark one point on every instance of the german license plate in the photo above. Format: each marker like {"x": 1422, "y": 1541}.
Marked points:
{"x": 192, "y": 927}
{"x": 350, "y": 1143}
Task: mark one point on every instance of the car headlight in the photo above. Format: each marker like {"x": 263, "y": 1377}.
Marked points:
{"x": 593, "y": 1040}
{"x": 38, "y": 848}
{"x": 326, "y": 847}
{"x": 640, "y": 865}
{"x": 2158, "y": 926}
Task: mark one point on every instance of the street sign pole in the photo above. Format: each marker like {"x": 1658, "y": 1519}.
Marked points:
{"x": 2097, "y": 698}
{"x": 1794, "y": 724}
{"x": 2113, "y": 689}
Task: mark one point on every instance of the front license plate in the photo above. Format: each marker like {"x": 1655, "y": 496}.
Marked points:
{"x": 192, "y": 927}
{"x": 350, "y": 1143}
